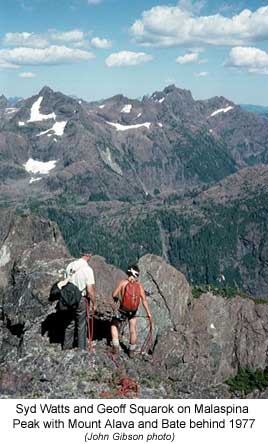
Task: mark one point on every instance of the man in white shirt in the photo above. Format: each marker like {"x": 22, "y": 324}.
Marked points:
{"x": 82, "y": 276}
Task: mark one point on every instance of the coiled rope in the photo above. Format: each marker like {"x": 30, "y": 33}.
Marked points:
{"x": 129, "y": 388}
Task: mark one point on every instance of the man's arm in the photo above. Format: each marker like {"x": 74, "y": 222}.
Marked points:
{"x": 91, "y": 293}
{"x": 145, "y": 303}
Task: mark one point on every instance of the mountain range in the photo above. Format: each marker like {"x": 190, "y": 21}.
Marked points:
{"x": 182, "y": 178}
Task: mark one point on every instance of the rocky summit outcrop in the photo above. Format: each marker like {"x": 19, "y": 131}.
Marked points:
{"x": 29, "y": 245}
{"x": 196, "y": 345}
{"x": 168, "y": 293}
{"x": 218, "y": 337}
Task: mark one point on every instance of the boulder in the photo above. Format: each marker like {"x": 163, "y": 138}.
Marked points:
{"x": 107, "y": 278}
{"x": 168, "y": 294}
{"x": 32, "y": 257}
{"x": 219, "y": 337}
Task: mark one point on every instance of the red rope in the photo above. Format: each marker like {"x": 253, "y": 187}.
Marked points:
{"x": 90, "y": 320}
{"x": 148, "y": 343}
{"x": 128, "y": 387}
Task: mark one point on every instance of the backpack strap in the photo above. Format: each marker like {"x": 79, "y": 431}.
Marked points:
{"x": 65, "y": 281}
{"x": 123, "y": 291}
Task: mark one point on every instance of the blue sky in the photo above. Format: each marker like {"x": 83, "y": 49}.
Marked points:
{"x": 97, "y": 48}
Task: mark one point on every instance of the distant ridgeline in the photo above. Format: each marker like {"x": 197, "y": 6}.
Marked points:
{"x": 182, "y": 178}
{"x": 223, "y": 245}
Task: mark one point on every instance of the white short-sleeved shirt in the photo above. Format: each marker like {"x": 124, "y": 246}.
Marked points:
{"x": 81, "y": 274}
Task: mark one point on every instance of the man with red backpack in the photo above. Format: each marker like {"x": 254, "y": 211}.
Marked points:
{"x": 129, "y": 292}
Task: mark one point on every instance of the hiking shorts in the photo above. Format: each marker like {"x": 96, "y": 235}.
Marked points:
{"x": 125, "y": 315}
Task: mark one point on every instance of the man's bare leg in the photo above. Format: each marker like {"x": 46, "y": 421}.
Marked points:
{"x": 115, "y": 336}
{"x": 133, "y": 336}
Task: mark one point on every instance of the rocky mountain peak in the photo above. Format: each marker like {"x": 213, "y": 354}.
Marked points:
{"x": 3, "y": 102}
{"x": 118, "y": 99}
{"x": 45, "y": 91}
{"x": 220, "y": 101}
{"x": 182, "y": 93}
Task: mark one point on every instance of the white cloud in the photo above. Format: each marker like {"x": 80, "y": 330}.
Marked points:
{"x": 173, "y": 25}
{"x": 68, "y": 36}
{"x": 25, "y": 39}
{"x": 191, "y": 57}
{"x": 191, "y": 5}
{"x": 127, "y": 58}
{"x": 7, "y": 65}
{"x": 201, "y": 74}
{"x": 53, "y": 55}
{"x": 74, "y": 37}
{"x": 99, "y": 43}
{"x": 252, "y": 59}
{"x": 27, "y": 75}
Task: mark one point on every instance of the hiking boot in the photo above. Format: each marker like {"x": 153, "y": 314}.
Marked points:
{"x": 115, "y": 350}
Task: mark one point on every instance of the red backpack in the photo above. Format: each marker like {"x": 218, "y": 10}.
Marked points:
{"x": 131, "y": 297}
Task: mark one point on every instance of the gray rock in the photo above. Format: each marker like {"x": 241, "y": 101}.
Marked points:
{"x": 107, "y": 278}
{"x": 168, "y": 294}
{"x": 218, "y": 337}
{"x": 197, "y": 343}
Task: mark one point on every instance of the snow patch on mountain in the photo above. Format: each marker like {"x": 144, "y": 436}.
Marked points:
{"x": 21, "y": 123}
{"x": 160, "y": 125}
{"x": 161, "y": 100}
{"x": 36, "y": 116}
{"x": 222, "y": 110}
{"x": 126, "y": 109}
{"x": 58, "y": 129}
{"x": 120, "y": 127}
{"x": 11, "y": 110}
{"x": 36, "y": 166}
{"x": 5, "y": 255}
{"x": 34, "y": 179}
{"x": 107, "y": 158}
{"x": 102, "y": 106}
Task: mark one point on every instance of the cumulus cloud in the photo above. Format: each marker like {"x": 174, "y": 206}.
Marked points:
{"x": 201, "y": 74}
{"x": 7, "y": 65}
{"x": 251, "y": 59}
{"x": 27, "y": 75}
{"x": 127, "y": 58}
{"x": 191, "y": 5}
{"x": 191, "y": 57}
{"x": 166, "y": 26}
{"x": 68, "y": 36}
{"x": 53, "y": 55}
{"x": 25, "y": 39}
{"x": 74, "y": 37}
{"x": 99, "y": 43}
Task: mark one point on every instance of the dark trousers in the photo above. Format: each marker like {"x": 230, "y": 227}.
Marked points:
{"x": 76, "y": 321}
